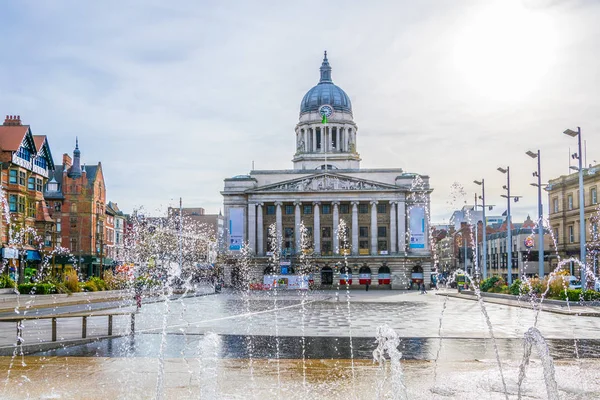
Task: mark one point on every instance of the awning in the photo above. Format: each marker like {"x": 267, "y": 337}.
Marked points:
{"x": 33, "y": 255}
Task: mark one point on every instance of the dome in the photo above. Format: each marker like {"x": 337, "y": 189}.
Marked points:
{"x": 325, "y": 93}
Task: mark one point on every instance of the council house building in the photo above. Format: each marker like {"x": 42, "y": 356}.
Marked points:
{"x": 385, "y": 211}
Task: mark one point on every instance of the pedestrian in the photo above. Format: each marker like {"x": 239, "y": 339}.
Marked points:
{"x": 367, "y": 286}
{"x": 138, "y": 295}
{"x": 423, "y": 291}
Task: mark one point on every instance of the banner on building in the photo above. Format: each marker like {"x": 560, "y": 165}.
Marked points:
{"x": 9, "y": 252}
{"x": 416, "y": 217}
{"x": 236, "y": 228}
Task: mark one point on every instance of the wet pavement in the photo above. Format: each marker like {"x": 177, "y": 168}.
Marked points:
{"x": 294, "y": 347}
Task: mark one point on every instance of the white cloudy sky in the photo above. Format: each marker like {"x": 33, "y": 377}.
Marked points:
{"x": 173, "y": 97}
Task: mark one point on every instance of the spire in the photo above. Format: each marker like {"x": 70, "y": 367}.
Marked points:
{"x": 75, "y": 169}
{"x": 325, "y": 70}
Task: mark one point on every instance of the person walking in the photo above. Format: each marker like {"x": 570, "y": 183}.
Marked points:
{"x": 423, "y": 291}
{"x": 367, "y": 286}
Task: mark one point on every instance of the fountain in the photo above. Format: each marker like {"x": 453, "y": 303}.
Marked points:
{"x": 249, "y": 343}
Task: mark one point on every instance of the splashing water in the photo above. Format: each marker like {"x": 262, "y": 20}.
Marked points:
{"x": 387, "y": 343}
{"x": 534, "y": 337}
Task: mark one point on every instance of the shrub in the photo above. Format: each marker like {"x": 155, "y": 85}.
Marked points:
{"x": 515, "y": 287}
{"x": 577, "y": 295}
{"x": 37, "y": 288}
{"x": 114, "y": 282}
{"x": 90, "y": 286}
{"x": 490, "y": 282}
{"x": 6, "y": 282}
{"x": 71, "y": 280}
{"x": 98, "y": 283}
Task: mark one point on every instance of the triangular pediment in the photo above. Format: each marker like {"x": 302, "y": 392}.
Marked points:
{"x": 325, "y": 182}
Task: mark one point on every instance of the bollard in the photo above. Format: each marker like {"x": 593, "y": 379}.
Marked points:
{"x": 54, "y": 329}
{"x": 84, "y": 327}
{"x": 110, "y": 325}
{"x": 132, "y": 324}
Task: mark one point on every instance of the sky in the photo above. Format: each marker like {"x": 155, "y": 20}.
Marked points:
{"x": 173, "y": 97}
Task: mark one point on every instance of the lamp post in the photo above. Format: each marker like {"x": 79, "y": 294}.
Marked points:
{"x": 579, "y": 157}
{"x": 538, "y": 174}
{"x": 482, "y": 197}
{"x": 508, "y": 222}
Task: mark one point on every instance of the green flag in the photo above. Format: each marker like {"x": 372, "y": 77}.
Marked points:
{"x": 324, "y": 119}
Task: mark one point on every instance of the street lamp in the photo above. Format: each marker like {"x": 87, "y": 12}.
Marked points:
{"x": 482, "y": 197}
{"x": 579, "y": 157}
{"x": 508, "y": 222}
{"x": 538, "y": 174}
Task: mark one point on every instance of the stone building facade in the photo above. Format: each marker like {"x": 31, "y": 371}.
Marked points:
{"x": 385, "y": 211}
{"x": 563, "y": 200}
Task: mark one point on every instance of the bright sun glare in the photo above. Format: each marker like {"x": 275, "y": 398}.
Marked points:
{"x": 504, "y": 50}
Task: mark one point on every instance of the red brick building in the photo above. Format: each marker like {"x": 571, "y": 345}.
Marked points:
{"x": 76, "y": 195}
{"x": 26, "y": 162}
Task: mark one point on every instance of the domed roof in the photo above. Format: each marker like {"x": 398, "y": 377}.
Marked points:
{"x": 325, "y": 93}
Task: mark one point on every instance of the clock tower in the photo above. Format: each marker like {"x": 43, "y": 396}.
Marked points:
{"x": 326, "y": 132}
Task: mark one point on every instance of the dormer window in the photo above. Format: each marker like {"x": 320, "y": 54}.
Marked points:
{"x": 41, "y": 162}
{"x": 24, "y": 153}
{"x": 52, "y": 186}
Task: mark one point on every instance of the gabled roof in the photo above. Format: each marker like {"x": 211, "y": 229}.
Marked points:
{"x": 11, "y": 137}
{"x": 41, "y": 144}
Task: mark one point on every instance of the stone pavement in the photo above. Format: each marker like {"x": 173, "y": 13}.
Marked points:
{"x": 554, "y": 306}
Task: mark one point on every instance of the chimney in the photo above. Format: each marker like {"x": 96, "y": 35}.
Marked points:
{"x": 67, "y": 161}
{"x": 12, "y": 120}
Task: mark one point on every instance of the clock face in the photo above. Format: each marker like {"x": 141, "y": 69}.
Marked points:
{"x": 326, "y": 111}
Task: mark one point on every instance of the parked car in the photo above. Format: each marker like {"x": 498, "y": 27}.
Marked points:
{"x": 574, "y": 282}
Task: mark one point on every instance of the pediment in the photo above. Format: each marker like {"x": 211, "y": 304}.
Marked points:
{"x": 326, "y": 182}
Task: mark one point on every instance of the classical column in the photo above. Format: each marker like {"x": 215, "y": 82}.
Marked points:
{"x": 252, "y": 227}
{"x": 401, "y": 211}
{"x": 297, "y": 232}
{"x": 393, "y": 230}
{"x": 317, "y": 227}
{"x": 279, "y": 223}
{"x": 314, "y": 140}
{"x": 338, "y": 139}
{"x": 355, "y": 227}
{"x": 260, "y": 230}
{"x": 336, "y": 227}
{"x": 373, "y": 227}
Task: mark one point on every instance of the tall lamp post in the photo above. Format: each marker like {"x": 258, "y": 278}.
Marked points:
{"x": 508, "y": 222}
{"x": 484, "y": 233}
{"x": 579, "y": 157}
{"x": 538, "y": 174}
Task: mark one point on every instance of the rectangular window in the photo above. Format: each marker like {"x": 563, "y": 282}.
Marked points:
{"x": 38, "y": 185}
{"x": 382, "y": 245}
{"x": 271, "y": 210}
{"x": 288, "y": 233}
{"x": 570, "y": 202}
{"x": 289, "y": 210}
{"x": 555, "y": 204}
{"x": 382, "y": 231}
{"x": 31, "y": 209}
{"x": 363, "y": 231}
{"x": 571, "y": 235}
{"x": 57, "y": 206}
{"x": 74, "y": 207}
{"x": 31, "y": 183}
{"x": 58, "y": 225}
{"x": 22, "y": 178}
{"x": 326, "y": 232}
{"x": 363, "y": 208}
{"x": 381, "y": 208}
{"x": 12, "y": 176}
{"x": 363, "y": 247}
{"x": 12, "y": 202}
{"x": 344, "y": 209}
{"x": 326, "y": 248}
{"x": 48, "y": 240}
{"x": 593, "y": 195}
{"x": 326, "y": 209}
{"x": 21, "y": 204}
{"x": 307, "y": 209}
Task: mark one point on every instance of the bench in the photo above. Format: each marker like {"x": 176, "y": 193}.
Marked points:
{"x": 83, "y": 316}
